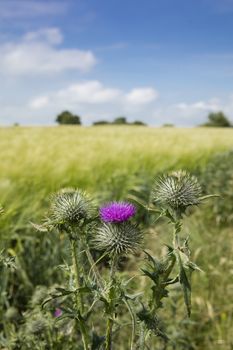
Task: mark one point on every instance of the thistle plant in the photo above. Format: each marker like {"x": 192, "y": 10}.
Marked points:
{"x": 115, "y": 233}
{"x": 171, "y": 196}
{"x": 115, "y": 237}
{"x": 72, "y": 212}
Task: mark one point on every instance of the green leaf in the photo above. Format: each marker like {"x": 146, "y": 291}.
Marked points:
{"x": 40, "y": 228}
{"x": 209, "y": 196}
{"x": 185, "y": 279}
{"x": 169, "y": 216}
{"x": 64, "y": 291}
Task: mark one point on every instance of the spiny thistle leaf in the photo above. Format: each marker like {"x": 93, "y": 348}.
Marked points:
{"x": 185, "y": 279}
{"x": 151, "y": 322}
{"x": 158, "y": 272}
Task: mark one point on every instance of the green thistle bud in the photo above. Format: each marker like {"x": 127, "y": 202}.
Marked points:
{"x": 71, "y": 207}
{"x": 116, "y": 239}
{"x": 177, "y": 191}
{"x": 37, "y": 325}
{"x": 11, "y": 314}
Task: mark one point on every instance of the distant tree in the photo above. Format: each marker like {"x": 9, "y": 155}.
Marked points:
{"x": 217, "y": 119}
{"x": 138, "y": 122}
{"x": 101, "y": 122}
{"x": 67, "y": 117}
{"x": 120, "y": 120}
{"x": 168, "y": 125}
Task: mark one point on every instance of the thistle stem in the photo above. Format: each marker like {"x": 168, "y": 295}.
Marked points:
{"x": 142, "y": 337}
{"x": 176, "y": 231}
{"x": 113, "y": 267}
{"x": 84, "y": 336}
{"x": 79, "y": 300}
{"x": 78, "y": 297}
{"x": 108, "y": 345}
{"x": 108, "y": 342}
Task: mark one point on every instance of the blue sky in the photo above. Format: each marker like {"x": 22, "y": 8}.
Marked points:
{"x": 161, "y": 61}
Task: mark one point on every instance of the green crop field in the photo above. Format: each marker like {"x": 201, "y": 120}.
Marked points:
{"x": 34, "y": 160}
{"x": 108, "y": 162}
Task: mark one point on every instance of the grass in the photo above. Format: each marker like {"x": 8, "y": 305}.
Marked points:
{"x": 35, "y": 162}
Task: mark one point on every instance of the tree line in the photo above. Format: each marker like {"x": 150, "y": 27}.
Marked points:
{"x": 214, "y": 119}
{"x": 67, "y": 118}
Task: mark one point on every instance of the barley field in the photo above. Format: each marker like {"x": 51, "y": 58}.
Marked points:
{"x": 108, "y": 162}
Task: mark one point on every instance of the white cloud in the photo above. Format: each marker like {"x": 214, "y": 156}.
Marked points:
{"x": 89, "y": 92}
{"x": 37, "y": 53}
{"x": 196, "y": 113}
{"x": 210, "y": 105}
{"x": 15, "y": 9}
{"x": 142, "y": 95}
{"x": 94, "y": 92}
{"x": 52, "y": 36}
{"x": 39, "y": 102}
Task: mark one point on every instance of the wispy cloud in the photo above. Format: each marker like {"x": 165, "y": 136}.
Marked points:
{"x": 220, "y": 6}
{"x": 210, "y": 105}
{"x": 115, "y": 46}
{"x": 23, "y": 9}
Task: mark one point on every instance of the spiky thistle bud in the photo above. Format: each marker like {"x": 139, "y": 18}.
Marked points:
{"x": 118, "y": 239}
{"x": 12, "y": 314}
{"x": 71, "y": 207}
{"x": 177, "y": 190}
{"x": 37, "y": 325}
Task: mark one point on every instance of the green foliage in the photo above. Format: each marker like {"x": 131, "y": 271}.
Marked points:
{"x": 68, "y": 118}
{"x": 43, "y": 258}
{"x": 218, "y": 119}
{"x": 138, "y": 122}
{"x": 101, "y": 122}
{"x": 218, "y": 178}
{"x": 119, "y": 121}
{"x": 168, "y": 125}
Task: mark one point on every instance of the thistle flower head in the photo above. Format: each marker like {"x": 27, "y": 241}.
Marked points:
{"x": 117, "y": 212}
{"x": 177, "y": 190}
{"x": 71, "y": 206}
{"x": 57, "y": 312}
{"x": 118, "y": 239}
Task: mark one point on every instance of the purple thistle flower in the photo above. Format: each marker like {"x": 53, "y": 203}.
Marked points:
{"x": 117, "y": 211}
{"x": 57, "y": 312}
